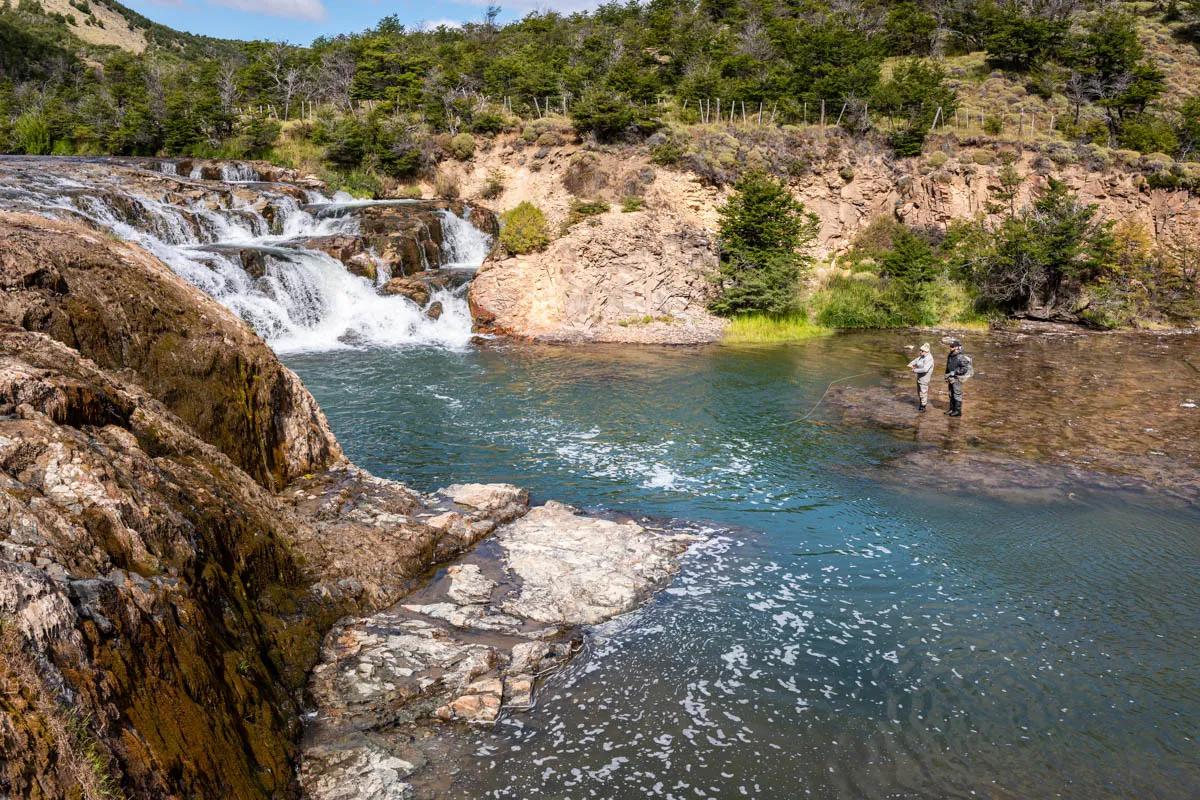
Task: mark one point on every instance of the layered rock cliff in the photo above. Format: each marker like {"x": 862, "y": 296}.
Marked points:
{"x": 624, "y": 277}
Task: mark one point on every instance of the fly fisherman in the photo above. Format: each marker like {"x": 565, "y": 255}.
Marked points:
{"x": 922, "y": 367}
{"x": 958, "y": 369}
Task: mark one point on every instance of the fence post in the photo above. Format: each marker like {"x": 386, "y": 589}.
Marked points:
{"x": 840, "y": 113}
{"x": 822, "y": 113}
{"x": 806, "y": 113}
{"x": 936, "y": 116}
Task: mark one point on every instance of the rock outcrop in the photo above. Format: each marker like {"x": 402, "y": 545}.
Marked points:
{"x": 474, "y": 643}
{"x": 126, "y": 310}
{"x": 161, "y": 603}
{"x": 637, "y": 277}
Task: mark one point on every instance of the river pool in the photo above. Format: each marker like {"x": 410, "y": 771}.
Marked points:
{"x": 843, "y": 631}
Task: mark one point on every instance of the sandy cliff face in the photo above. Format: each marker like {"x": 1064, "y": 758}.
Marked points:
{"x": 639, "y": 277}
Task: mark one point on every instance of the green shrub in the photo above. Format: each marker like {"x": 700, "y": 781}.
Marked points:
{"x": 765, "y": 234}
{"x": 993, "y": 125}
{"x": 488, "y": 123}
{"x": 31, "y": 134}
{"x": 914, "y": 93}
{"x": 631, "y": 204}
{"x": 1147, "y": 133}
{"x": 524, "y": 229}
{"x": 462, "y": 146}
{"x": 610, "y": 115}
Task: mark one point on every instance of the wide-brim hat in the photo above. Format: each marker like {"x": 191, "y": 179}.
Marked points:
{"x": 925, "y": 348}
{"x": 950, "y": 340}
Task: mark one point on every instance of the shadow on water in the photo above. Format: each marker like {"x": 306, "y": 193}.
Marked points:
{"x": 1002, "y": 608}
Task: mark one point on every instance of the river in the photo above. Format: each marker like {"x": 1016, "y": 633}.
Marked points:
{"x": 844, "y": 631}
{"x": 885, "y": 605}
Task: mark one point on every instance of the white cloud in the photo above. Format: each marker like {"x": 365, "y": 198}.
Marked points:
{"x": 434, "y": 24}
{"x": 313, "y": 10}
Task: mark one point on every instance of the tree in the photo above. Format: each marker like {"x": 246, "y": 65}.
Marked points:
{"x": 765, "y": 234}
{"x": 1039, "y": 260}
{"x": 915, "y": 92}
{"x": 1125, "y": 80}
{"x": 1017, "y": 36}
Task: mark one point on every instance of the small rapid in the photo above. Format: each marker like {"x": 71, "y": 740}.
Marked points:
{"x": 253, "y": 254}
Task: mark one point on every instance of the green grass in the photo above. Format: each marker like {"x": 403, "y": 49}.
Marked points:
{"x": 766, "y": 328}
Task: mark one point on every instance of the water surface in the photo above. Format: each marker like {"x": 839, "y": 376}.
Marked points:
{"x": 840, "y": 634}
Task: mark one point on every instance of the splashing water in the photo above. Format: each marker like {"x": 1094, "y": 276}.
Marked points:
{"x": 298, "y": 299}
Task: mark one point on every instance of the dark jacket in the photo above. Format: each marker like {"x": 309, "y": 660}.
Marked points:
{"x": 956, "y": 364}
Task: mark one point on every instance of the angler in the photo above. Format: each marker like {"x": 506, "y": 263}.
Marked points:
{"x": 959, "y": 369}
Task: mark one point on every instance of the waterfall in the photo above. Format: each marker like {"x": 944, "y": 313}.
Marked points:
{"x": 465, "y": 245}
{"x": 252, "y": 258}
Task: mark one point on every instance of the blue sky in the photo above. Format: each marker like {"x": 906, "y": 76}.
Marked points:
{"x": 300, "y": 21}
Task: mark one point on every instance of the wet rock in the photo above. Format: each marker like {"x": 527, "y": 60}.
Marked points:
{"x": 488, "y": 497}
{"x": 361, "y": 769}
{"x": 435, "y": 310}
{"x": 413, "y": 288}
{"x": 468, "y": 585}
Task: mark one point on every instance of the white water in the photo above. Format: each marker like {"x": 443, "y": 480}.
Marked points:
{"x": 304, "y": 300}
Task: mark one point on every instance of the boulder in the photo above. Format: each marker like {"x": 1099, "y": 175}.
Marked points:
{"x": 639, "y": 277}
{"x": 126, "y": 310}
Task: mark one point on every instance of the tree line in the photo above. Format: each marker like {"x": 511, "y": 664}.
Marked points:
{"x": 611, "y": 68}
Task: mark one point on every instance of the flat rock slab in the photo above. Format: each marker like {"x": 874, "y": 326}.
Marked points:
{"x": 578, "y": 570}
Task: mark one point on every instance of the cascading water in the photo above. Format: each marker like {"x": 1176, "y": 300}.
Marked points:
{"x": 295, "y": 297}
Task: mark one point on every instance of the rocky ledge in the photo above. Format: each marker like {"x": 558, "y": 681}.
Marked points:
{"x": 474, "y": 643}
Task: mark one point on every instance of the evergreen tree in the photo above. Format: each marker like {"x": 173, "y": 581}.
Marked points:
{"x": 764, "y": 237}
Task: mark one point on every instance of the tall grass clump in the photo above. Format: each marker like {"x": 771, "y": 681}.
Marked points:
{"x": 771, "y": 328}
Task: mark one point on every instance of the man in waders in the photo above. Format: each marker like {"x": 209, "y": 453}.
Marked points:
{"x": 958, "y": 369}
{"x": 922, "y": 367}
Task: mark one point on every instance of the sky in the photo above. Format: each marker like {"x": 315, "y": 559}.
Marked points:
{"x": 301, "y": 21}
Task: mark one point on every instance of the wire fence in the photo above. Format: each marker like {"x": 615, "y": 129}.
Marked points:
{"x": 850, "y": 114}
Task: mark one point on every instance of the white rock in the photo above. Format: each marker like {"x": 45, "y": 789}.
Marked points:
{"x": 578, "y": 570}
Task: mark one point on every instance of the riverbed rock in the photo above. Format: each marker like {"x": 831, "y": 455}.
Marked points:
{"x": 475, "y": 641}
{"x": 495, "y": 498}
{"x": 639, "y": 277}
{"x": 579, "y": 570}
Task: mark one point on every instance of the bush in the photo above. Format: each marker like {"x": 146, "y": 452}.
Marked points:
{"x": 446, "y": 184}
{"x": 1147, "y": 133}
{"x": 764, "y": 237}
{"x": 524, "y": 229}
{"x": 31, "y": 134}
{"x": 993, "y": 125}
{"x": 256, "y": 135}
{"x": 488, "y": 123}
{"x": 609, "y": 116}
{"x": 631, "y": 204}
{"x": 462, "y": 146}
{"x": 494, "y": 186}
{"x": 581, "y": 210}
